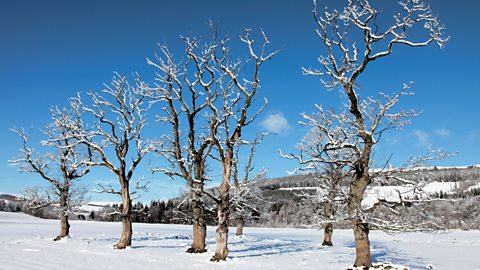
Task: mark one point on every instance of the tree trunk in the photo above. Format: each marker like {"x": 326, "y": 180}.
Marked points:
{"x": 126, "y": 238}
{"x": 240, "y": 223}
{"x": 328, "y": 213}
{"x": 64, "y": 225}
{"x": 327, "y": 235}
{"x": 360, "y": 228}
{"x": 221, "y": 250}
{"x": 362, "y": 244}
{"x": 199, "y": 225}
{"x": 357, "y": 190}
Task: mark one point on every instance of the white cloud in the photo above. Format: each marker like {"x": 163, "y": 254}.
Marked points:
{"x": 443, "y": 132}
{"x": 275, "y": 123}
{"x": 422, "y": 137}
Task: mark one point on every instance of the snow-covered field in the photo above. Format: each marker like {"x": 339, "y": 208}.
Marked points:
{"x": 25, "y": 243}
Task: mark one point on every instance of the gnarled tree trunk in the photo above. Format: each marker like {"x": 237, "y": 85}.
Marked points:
{"x": 64, "y": 225}
{"x": 199, "y": 224}
{"x": 362, "y": 243}
{"x": 126, "y": 238}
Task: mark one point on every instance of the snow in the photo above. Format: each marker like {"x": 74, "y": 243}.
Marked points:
{"x": 96, "y": 206}
{"x": 473, "y": 187}
{"x": 26, "y": 243}
{"x": 300, "y": 188}
{"x": 391, "y": 193}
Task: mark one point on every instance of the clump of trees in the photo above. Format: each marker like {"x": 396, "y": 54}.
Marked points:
{"x": 207, "y": 99}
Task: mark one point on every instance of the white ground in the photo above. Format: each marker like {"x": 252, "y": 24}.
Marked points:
{"x": 25, "y": 243}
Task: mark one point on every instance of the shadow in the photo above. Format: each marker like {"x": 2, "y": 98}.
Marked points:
{"x": 156, "y": 247}
{"x": 380, "y": 252}
{"x": 258, "y": 247}
{"x": 161, "y": 238}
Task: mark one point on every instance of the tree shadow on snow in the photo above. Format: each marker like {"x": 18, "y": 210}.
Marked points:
{"x": 148, "y": 241}
{"x": 257, "y": 247}
{"x": 382, "y": 253}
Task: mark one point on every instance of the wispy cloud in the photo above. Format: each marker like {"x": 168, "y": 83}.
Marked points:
{"x": 443, "y": 132}
{"x": 275, "y": 123}
{"x": 422, "y": 137}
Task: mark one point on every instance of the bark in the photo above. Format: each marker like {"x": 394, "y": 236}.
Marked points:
{"x": 221, "y": 249}
{"x": 199, "y": 224}
{"x": 240, "y": 223}
{"x": 64, "y": 224}
{"x": 357, "y": 189}
{"x": 362, "y": 244}
{"x": 327, "y": 235}
{"x": 328, "y": 213}
{"x": 360, "y": 228}
{"x": 126, "y": 238}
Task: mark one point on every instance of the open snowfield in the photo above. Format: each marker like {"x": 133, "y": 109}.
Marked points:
{"x": 26, "y": 243}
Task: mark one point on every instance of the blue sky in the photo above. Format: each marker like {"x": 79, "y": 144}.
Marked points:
{"x": 50, "y": 50}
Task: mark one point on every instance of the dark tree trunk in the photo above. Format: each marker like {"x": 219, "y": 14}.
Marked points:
{"x": 362, "y": 244}
{"x": 199, "y": 224}
{"x": 64, "y": 225}
{"x": 240, "y": 223}
{"x": 221, "y": 249}
{"x": 126, "y": 238}
{"x": 327, "y": 235}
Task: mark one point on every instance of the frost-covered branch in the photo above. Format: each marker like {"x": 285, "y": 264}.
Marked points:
{"x": 115, "y": 136}
{"x": 353, "y": 38}
{"x": 338, "y": 30}
{"x": 68, "y": 160}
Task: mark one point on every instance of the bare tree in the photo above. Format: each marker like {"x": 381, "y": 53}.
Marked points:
{"x": 243, "y": 190}
{"x": 38, "y": 198}
{"x": 116, "y": 137}
{"x": 185, "y": 89}
{"x": 231, "y": 115}
{"x": 342, "y": 65}
{"x": 331, "y": 151}
{"x": 327, "y": 166}
{"x": 69, "y": 161}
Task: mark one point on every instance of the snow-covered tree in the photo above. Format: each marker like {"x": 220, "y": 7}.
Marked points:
{"x": 328, "y": 153}
{"x": 232, "y": 114}
{"x": 330, "y": 176}
{"x": 203, "y": 96}
{"x": 115, "y": 137}
{"x": 354, "y": 38}
{"x": 39, "y": 198}
{"x": 184, "y": 89}
{"x": 68, "y": 161}
{"x": 244, "y": 192}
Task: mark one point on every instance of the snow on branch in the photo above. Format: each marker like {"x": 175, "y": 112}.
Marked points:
{"x": 66, "y": 160}
{"x": 344, "y": 61}
{"x": 119, "y": 117}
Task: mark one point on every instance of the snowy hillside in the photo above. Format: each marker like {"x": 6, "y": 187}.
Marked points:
{"x": 26, "y": 243}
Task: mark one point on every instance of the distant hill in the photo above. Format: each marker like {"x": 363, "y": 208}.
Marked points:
{"x": 8, "y": 197}
{"x": 284, "y": 208}
{"x": 281, "y": 205}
